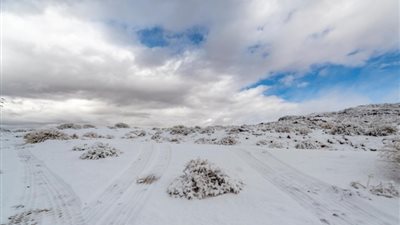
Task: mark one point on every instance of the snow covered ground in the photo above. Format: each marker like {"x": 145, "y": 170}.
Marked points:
{"x": 284, "y": 182}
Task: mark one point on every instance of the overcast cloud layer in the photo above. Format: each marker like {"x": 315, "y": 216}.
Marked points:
{"x": 84, "y": 61}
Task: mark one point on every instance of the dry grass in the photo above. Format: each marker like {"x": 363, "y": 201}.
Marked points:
{"x": 149, "y": 179}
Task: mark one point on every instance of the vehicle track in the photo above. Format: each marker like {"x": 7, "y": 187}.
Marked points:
{"x": 327, "y": 202}
{"x": 127, "y": 210}
{"x": 45, "y": 190}
{"x": 95, "y": 210}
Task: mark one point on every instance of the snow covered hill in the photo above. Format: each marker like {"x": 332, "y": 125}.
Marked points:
{"x": 325, "y": 168}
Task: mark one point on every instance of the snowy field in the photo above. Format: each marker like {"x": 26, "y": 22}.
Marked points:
{"x": 299, "y": 176}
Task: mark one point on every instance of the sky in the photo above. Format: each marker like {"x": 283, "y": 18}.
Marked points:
{"x": 162, "y": 63}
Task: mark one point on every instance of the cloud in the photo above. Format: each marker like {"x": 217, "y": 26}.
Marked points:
{"x": 92, "y": 57}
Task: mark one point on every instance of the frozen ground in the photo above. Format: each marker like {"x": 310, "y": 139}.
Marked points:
{"x": 284, "y": 182}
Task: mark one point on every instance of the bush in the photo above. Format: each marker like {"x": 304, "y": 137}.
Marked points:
{"x": 347, "y": 129}
{"x": 100, "y": 151}
{"x": 157, "y": 136}
{"x": 205, "y": 141}
{"x": 282, "y": 129}
{"x": 303, "y": 130}
{"x": 95, "y": 135}
{"x": 306, "y": 145}
{"x": 86, "y": 126}
{"x": 69, "y": 126}
{"x": 121, "y": 125}
{"x": 181, "y": 130}
{"x": 149, "y": 179}
{"x": 135, "y": 134}
{"x": 387, "y": 190}
{"x": 227, "y": 141}
{"x": 91, "y": 135}
{"x": 203, "y": 179}
{"x": 382, "y": 130}
{"x": 43, "y": 135}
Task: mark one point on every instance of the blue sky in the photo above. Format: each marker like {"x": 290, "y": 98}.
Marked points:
{"x": 157, "y": 36}
{"x": 378, "y": 79}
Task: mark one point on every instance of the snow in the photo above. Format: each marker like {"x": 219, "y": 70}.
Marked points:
{"x": 282, "y": 184}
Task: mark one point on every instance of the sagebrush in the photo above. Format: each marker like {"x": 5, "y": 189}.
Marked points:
{"x": 202, "y": 179}
{"x": 43, "y": 135}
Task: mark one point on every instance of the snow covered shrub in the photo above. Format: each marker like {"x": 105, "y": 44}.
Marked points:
{"x": 203, "y": 179}
{"x": 207, "y": 130}
{"x": 86, "y": 126}
{"x": 69, "y": 126}
{"x": 227, "y": 141}
{"x": 157, "y": 136}
{"x": 303, "y": 130}
{"x": 382, "y": 130}
{"x": 135, "y": 134}
{"x": 181, "y": 130}
{"x": 282, "y": 129}
{"x": 269, "y": 143}
{"x": 388, "y": 190}
{"x": 121, "y": 125}
{"x": 205, "y": 141}
{"x": 391, "y": 151}
{"x": 28, "y": 217}
{"x": 262, "y": 142}
{"x": 307, "y": 144}
{"x": 91, "y": 135}
{"x": 346, "y": 129}
{"x": 100, "y": 150}
{"x": 237, "y": 130}
{"x": 43, "y": 135}
{"x": 149, "y": 179}
{"x": 74, "y": 136}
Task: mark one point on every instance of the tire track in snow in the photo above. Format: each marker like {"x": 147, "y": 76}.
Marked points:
{"x": 45, "y": 190}
{"x": 316, "y": 196}
{"x": 126, "y": 211}
{"x": 98, "y": 208}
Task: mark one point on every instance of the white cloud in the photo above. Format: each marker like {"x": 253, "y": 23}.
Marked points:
{"x": 61, "y": 61}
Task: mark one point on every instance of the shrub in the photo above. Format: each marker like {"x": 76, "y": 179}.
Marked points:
{"x": 382, "y": 130}
{"x": 346, "y": 129}
{"x": 205, "y": 141}
{"x": 157, "y": 136}
{"x": 69, "y": 126}
{"x": 282, "y": 129}
{"x": 306, "y": 145}
{"x": 86, "y": 126}
{"x": 181, "y": 130}
{"x": 100, "y": 151}
{"x": 43, "y": 135}
{"x": 91, "y": 135}
{"x": 227, "y": 141}
{"x": 135, "y": 134}
{"x": 149, "y": 179}
{"x": 121, "y": 125}
{"x": 95, "y": 135}
{"x": 74, "y": 136}
{"x": 387, "y": 190}
{"x": 303, "y": 130}
{"x": 203, "y": 179}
